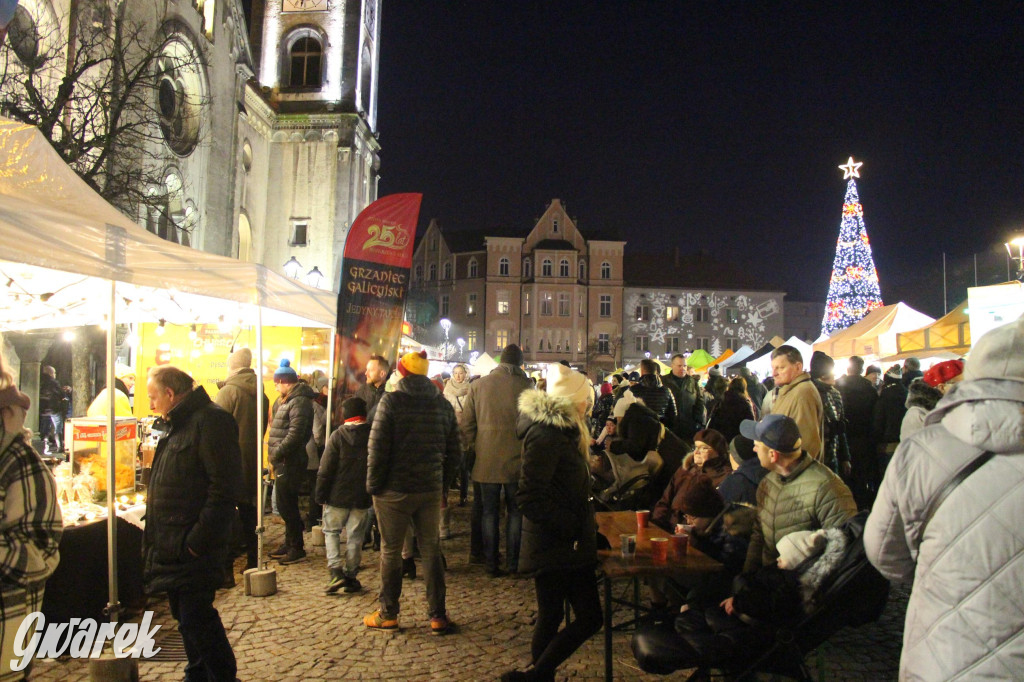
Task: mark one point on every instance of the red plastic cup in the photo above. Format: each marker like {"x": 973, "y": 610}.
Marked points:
{"x": 680, "y": 529}
{"x": 659, "y": 550}
{"x": 679, "y": 543}
{"x": 643, "y": 518}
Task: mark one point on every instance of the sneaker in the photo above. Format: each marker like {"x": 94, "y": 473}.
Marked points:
{"x": 379, "y": 622}
{"x": 336, "y": 583}
{"x": 294, "y": 555}
{"x": 440, "y": 626}
{"x": 352, "y": 585}
{"x": 279, "y": 552}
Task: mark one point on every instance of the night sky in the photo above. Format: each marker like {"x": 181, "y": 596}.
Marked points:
{"x": 718, "y": 126}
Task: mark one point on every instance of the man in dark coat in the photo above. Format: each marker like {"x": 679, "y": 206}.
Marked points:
{"x": 195, "y": 483}
{"x": 655, "y": 396}
{"x": 859, "y": 398}
{"x": 51, "y": 410}
{"x": 413, "y": 455}
{"x": 377, "y": 370}
{"x": 689, "y": 406}
{"x": 888, "y": 418}
{"x": 741, "y": 484}
{"x": 290, "y": 429}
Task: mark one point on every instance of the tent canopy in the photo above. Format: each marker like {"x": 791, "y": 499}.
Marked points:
{"x": 948, "y": 337}
{"x": 739, "y": 356}
{"x": 875, "y": 335}
{"x": 63, "y": 243}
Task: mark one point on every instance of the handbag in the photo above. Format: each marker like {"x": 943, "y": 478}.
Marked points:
{"x": 951, "y": 484}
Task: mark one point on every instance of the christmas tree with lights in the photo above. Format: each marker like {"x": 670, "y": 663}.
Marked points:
{"x": 853, "y": 290}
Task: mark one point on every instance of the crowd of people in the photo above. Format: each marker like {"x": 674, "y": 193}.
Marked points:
{"x": 762, "y": 475}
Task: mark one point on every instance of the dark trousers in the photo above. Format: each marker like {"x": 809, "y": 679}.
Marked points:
{"x": 476, "y": 535}
{"x": 287, "y": 486}
{"x": 247, "y": 514}
{"x": 550, "y": 647}
{"x": 491, "y": 512}
{"x": 210, "y": 657}
{"x": 316, "y": 512}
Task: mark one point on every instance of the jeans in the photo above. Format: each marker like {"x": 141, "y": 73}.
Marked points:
{"x": 354, "y": 523}
{"x": 396, "y": 512}
{"x": 286, "y": 486}
{"x": 206, "y": 644}
{"x": 51, "y": 430}
{"x": 550, "y": 647}
{"x": 489, "y": 523}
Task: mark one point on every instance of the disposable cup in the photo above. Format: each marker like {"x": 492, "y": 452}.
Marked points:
{"x": 643, "y": 518}
{"x": 628, "y": 543}
{"x": 679, "y": 543}
{"x": 659, "y": 550}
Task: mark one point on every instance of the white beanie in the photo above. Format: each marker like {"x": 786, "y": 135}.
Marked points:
{"x": 240, "y": 359}
{"x": 799, "y": 545}
{"x": 568, "y": 383}
{"x": 623, "y": 403}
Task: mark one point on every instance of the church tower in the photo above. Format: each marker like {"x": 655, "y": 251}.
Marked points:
{"x": 308, "y": 136}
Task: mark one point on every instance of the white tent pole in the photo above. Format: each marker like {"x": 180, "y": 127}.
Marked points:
{"x": 259, "y": 436}
{"x": 330, "y": 384}
{"x": 113, "y": 606}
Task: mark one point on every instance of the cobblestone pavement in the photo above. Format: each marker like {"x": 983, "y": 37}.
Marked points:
{"x": 302, "y": 634}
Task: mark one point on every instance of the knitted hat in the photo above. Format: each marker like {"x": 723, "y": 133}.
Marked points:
{"x": 873, "y": 369}
{"x": 713, "y": 438}
{"x": 353, "y": 407}
{"x": 623, "y": 403}
{"x": 777, "y": 431}
{"x": 742, "y": 448}
{"x": 896, "y": 372}
{"x": 798, "y": 546}
{"x": 512, "y": 355}
{"x": 943, "y": 372}
{"x": 240, "y": 359}
{"x": 319, "y": 380}
{"x": 821, "y": 364}
{"x": 699, "y": 498}
{"x": 567, "y": 383}
{"x": 413, "y": 363}
{"x": 285, "y": 374}
{"x": 998, "y": 354}
{"x": 606, "y": 389}
{"x": 12, "y": 396}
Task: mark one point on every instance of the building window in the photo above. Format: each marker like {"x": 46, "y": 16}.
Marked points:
{"x": 444, "y": 305}
{"x": 527, "y": 268}
{"x": 473, "y": 269}
{"x": 471, "y": 341}
{"x": 305, "y": 58}
{"x": 671, "y": 313}
{"x": 672, "y": 344}
{"x": 606, "y": 305}
{"x": 471, "y": 304}
{"x": 300, "y": 234}
{"x": 502, "y": 303}
{"x": 432, "y": 272}
{"x": 642, "y": 344}
{"x": 546, "y": 303}
{"x": 545, "y": 268}
{"x": 500, "y": 339}
{"x": 448, "y": 270}
{"x": 703, "y": 342}
{"x": 606, "y": 270}
{"x": 702, "y": 314}
{"x": 582, "y": 269}
{"x": 526, "y": 303}
{"x": 563, "y": 305}
{"x": 554, "y": 225}
{"x": 581, "y": 306}
{"x": 643, "y": 313}
{"x": 603, "y": 344}
{"x": 418, "y": 273}
{"x": 503, "y": 267}
{"x": 433, "y": 243}
{"x": 732, "y": 315}
{"x": 733, "y": 344}
{"x": 563, "y": 267}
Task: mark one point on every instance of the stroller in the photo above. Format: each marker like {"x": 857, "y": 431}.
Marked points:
{"x": 629, "y": 486}
{"x": 854, "y": 594}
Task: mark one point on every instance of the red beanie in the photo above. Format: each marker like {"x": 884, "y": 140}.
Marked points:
{"x": 943, "y": 372}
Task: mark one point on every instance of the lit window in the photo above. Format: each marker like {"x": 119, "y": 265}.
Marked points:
{"x": 526, "y": 303}
{"x": 502, "y": 302}
{"x": 563, "y": 267}
{"x": 671, "y": 313}
{"x": 546, "y": 303}
{"x": 473, "y": 269}
{"x": 471, "y": 340}
{"x": 500, "y": 339}
{"x": 606, "y": 305}
{"x": 606, "y": 270}
{"x": 545, "y": 268}
{"x": 563, "y": 305}
{"x": 503, "y": 267}
{"x": 471, "y": 304}
{"x": 581, "y": 306}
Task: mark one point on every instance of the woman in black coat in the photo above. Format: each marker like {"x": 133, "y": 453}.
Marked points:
{"x": 734, "y": 407}
{"x": 559, "y": 540}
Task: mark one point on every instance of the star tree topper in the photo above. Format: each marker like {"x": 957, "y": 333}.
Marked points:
{"x": 851, "y": 169}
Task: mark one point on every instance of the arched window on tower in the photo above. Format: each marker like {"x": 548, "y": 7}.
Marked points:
{"x": 606, "y": 270}
{"x": 474, "y": 270}
{"x": 305, "y": 59}
{"x": 545, "y": 268}
{"x": 503, "y": 266}
{"x": 563, "y": 267}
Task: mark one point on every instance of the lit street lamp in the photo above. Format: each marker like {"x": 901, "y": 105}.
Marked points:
{"x": 314, "y": 277}
{"x": 446, "y": 325}
{"x": 292, "y": 268}
{"x": 1017, "y": 244}
{"x": 462, "y": 344}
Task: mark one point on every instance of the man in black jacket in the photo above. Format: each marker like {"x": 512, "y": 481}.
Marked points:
{"x": 859, "y": 398}
{"x": 291, "y": 427}
{"x": 655, "y": 396}
{"x": 377, "y": 370}
{"x": 195, "y": 483}
{"x": 413, "y": 455}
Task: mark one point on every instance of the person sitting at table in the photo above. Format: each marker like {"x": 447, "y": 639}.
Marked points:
{"x": 559, "y": 539}
{"x": 640, "y": 432}
{"x": 709, "y": 458}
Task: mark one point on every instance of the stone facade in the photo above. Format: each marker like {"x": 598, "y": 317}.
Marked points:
{"x": 803, "y": 319}
{"x": 543, "y": 292}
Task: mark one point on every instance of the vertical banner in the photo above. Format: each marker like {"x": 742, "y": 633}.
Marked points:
{"x": 374, "y": 285}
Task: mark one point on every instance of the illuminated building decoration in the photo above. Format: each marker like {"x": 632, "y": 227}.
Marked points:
{"x": 853, "y": 290}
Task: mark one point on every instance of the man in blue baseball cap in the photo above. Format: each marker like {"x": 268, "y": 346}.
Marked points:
{"x": 799, "y": 493}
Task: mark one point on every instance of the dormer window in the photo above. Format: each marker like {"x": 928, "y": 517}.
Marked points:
{"x": 554, "y": 225}
{"x": 474, "y": 270}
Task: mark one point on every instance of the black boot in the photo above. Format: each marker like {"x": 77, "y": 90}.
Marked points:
{"x": 409, "y": 568}
{"x": 376, "y": 538}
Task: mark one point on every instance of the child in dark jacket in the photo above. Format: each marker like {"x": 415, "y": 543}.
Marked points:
{"x": 341, "y": 488}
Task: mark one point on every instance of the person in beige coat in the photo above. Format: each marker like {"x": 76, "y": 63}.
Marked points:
{"x": 796, "y": 397}
{"x": 489, "y": 415}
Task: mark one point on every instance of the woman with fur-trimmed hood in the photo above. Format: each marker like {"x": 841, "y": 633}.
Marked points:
{"x": 559, "y": 541}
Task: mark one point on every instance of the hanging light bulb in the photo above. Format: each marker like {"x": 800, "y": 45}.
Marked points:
{"x": 160, "y": 329}
{"x": 192, "y": 332}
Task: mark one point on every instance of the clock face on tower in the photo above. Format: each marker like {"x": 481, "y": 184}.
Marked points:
{"x": 303, "y": 5}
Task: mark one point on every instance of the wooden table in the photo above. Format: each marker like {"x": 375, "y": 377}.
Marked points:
{"x": 614, "y": 566}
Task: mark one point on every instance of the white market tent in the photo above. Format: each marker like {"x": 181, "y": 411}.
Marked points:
{"x": 69, "y": 258}
{"x": 740, "y": 355}
{"x": 874, "y": 336}
{"x": 762, "y": 366}
{"x": 482, "y": 365}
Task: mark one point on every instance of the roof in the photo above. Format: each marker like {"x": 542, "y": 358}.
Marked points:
{"x": 554, "y": 245}
{"x": 701, "y": 269}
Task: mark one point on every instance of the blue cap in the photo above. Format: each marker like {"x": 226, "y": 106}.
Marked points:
{"x": 777, "y": 431}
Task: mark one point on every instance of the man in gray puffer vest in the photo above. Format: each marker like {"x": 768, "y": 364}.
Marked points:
{"x": 966, "y": 611}
{"x": 290, "y": 429}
